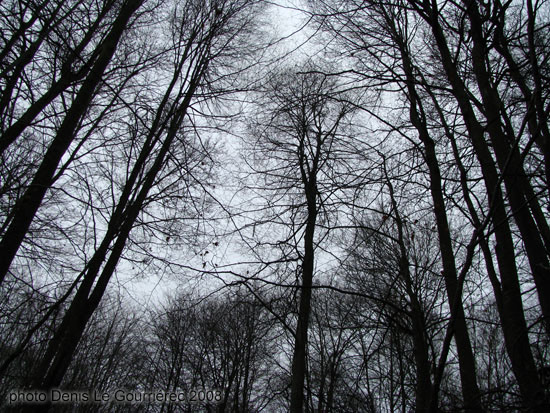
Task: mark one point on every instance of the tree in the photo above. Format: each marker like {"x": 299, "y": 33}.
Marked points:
{"x": 50, "y": 41}
{"x": 199, "y": 40}
{"x": 25, "y": 208}
{"x": 333, "y": 332}
{"x": 299, "y": 151}
{"x": 222, "y": 343}
{"x": 390, "y": 211}
{"x": 392, "y": 260}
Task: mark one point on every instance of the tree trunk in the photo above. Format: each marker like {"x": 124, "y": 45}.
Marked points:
{"x": 509, "y": 162}
{"x": 424, "y": 387}
{"x": 470, "y": 390}
{"x": 300, "y": 344}
{"x": 61, "y": 348}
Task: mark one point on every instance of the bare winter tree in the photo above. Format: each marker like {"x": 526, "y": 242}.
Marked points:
{"x": 25, "y": 208}
{"x": 391, "y": 211}
{"x": 223, "y": 343}
{"x": 300, "y": 154}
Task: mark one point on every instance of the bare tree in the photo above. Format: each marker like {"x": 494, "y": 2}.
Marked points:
{"x": 452, "y": 78}
{"x": 26, "y": 207}
{"x": 299, "y": 151}
{"x": 223, "y": 343}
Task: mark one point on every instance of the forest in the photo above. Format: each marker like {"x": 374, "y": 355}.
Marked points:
{"x": 274, "y": 206}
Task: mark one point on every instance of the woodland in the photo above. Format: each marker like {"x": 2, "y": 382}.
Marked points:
{"x": 299, "y": 206}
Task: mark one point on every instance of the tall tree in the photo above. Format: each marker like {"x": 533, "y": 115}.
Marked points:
{"x": 299, "y": 149}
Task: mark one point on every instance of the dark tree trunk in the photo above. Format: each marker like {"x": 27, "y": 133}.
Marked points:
{"x": 535, "y": 113}
{"x": 61, "y": 348}
{"x": 424, "y": 387}
{"x": 513, "y": 322}
{"x": 470, "y": 390}
{"x": 509, "y": 161}
{"x": 300, "y": 345}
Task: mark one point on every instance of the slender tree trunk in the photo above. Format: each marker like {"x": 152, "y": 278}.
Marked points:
{"x": 424, "y": 387}
{"x": 470, "y": 390}
{"x": 535, "y": 113}
{"x": 542, "y": 113}
{"x": 507, "y": 291}
{"x": 61, "y": 348}
{"x": 333, "y": 366}
{"x": 509, "y": 162}
{"x": 300, "y": 345}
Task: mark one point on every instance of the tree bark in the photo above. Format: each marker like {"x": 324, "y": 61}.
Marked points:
{"x": 508, "y": 159}
{"x": 300, "y": 345}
